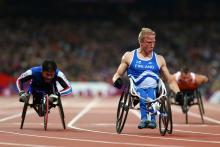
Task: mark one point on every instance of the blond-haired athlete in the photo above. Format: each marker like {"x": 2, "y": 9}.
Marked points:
{"x": 144, "y": 67}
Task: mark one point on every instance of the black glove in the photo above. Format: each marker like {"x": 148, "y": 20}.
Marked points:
{"x": 21, "y": 92}
{"x": 118, "y": 83}
{"x": 179, "y": 97}
{"x": 23, "y": 96}
{"x": 53, "y": 98}
{"x": 58, "y": 94}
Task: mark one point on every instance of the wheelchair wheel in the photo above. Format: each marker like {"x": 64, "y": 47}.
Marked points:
{"x": 185, "y": 107}
{"x": 200, "y": 97}
{"x": 170, "y": 123}
{"x": 123, "y": 108}
{"x": 165, "y": 117}
{"x": 46, "y": 110}
{"x": 171, "y": 97}
{"x": 200, "y": 104}
{"x": 26, "y": 104}
{"x": 62, "y": 117}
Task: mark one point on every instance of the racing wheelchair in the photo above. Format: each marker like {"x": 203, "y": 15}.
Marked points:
{"x": 190, "y": 98}
{"x": 43, "y": 109}
{"x": 129, "y": 99}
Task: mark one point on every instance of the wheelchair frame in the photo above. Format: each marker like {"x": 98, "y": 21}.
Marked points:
{"x": 187, "y": 104}
{"x": 128, "y": 95}
{"x": 46, "y": 106}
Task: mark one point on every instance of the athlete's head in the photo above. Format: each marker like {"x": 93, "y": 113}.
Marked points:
{"x": 185, "y": 74}
{"x": 49, "y": 68}
{"x": 185, "y": 70}
{"x": 147, "y": 39}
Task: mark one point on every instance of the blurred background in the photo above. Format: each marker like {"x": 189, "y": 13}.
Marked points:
{"x": 88, "y": 37}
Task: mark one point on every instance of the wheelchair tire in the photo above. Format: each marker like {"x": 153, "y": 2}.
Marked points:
{"x": 165, "y": 117}
{"x": 200, "y": 104}
{"x": 171, "y": 97}
{"x": 26, "y": 104}
{"x": 185, "y": 107}
{"x": 123, "y": 108}
{"x": 62, "y": 116}
{"x": 46, "y": 110}
{"x": 200, "y": 97}
{"x": 170, "y": 123}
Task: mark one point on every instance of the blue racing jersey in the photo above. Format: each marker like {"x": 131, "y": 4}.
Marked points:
{"x": 34, "y": 75}
{"x": 144, "y": 72}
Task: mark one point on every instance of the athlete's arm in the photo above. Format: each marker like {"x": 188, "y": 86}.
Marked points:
{"x": 201, "y": 79}
{"x": 67, "y": 89}
{"x": 166, "y": 74}
{"x": 24, "y": 77}
{"x": 122, "y": 67}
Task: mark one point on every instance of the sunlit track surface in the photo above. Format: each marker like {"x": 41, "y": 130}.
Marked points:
{"x": 91, "y": 122}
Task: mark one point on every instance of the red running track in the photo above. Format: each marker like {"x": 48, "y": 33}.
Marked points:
{"x": 91, "y": 123}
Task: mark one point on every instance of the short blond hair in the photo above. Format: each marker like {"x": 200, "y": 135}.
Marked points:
{"x": 145, "y": 32}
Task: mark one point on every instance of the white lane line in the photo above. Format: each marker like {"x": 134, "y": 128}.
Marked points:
{"x": 87, "y": 140}
{"x": 191, "y": 132}
{"x": 140, "y": 136}
{"x": 152, "y": 137}
{"x": 189, "y": 113}
{"x": 134, "y": 124}
{"x": 197, "y": 115}
{"x": 24, "y": 145}
{"x": 13, "y": 116}
{"x": 87, "y": 109}
{"x": 83, "y": 112}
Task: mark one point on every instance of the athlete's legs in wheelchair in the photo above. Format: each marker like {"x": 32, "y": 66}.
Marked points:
{"x": 187, "y": 100}
{"x": 146, "y": 122}
{"x": 37, "y": 102}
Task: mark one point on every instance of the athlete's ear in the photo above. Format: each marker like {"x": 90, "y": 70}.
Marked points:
{"x": 141, "y": 44}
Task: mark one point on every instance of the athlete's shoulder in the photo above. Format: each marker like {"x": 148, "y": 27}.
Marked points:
{"x": 177, "y": 75}
{"x": 36, "y": 69}
{"x": 127, "y": 56}
{"x": 160, "y": 59}
{"x": 59, "y": 73}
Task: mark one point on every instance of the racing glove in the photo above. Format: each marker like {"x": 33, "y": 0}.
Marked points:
{"x": 23, "y": 96}
{"x": 179, "y": 97}
{"x": 53, "y": 98}
{"x": 118, "y": 83}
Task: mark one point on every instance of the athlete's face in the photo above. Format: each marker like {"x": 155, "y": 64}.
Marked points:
{"x": 148, "y": 43}
{"x": 186, "y": 77}
{"x": 48, "y": 76}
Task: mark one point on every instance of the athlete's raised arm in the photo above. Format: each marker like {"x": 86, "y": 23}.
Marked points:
{"x": 125, "y": 61}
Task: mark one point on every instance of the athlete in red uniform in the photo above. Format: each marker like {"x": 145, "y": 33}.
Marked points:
{"x": 188, "y": 81}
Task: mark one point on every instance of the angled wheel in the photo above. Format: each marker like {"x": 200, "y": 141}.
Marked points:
{"x": 26, "y": 104}
{"x": 165, "y": 117}
{"x": 62, "y": 117}
{"x": 185, "y": 107}
{"x": 170, "y": 123}
{"x": 201, "y": 107}
{"x": 123, "y": 108}
{"x": 46, "y": 110}
{"x": 200, "y": 97}
{"x": 171, "y": 96}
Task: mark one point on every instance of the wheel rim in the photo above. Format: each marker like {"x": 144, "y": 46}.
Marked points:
{"x": 46, "y": 107}
{"x": 164, "y": 117}
{"x": 122, "y": 111}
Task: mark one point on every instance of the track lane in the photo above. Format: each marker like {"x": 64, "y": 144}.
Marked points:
{"x": 96, "y": 127}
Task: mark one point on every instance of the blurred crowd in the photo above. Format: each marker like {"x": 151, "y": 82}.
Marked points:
{"x": 92, "y": 50}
